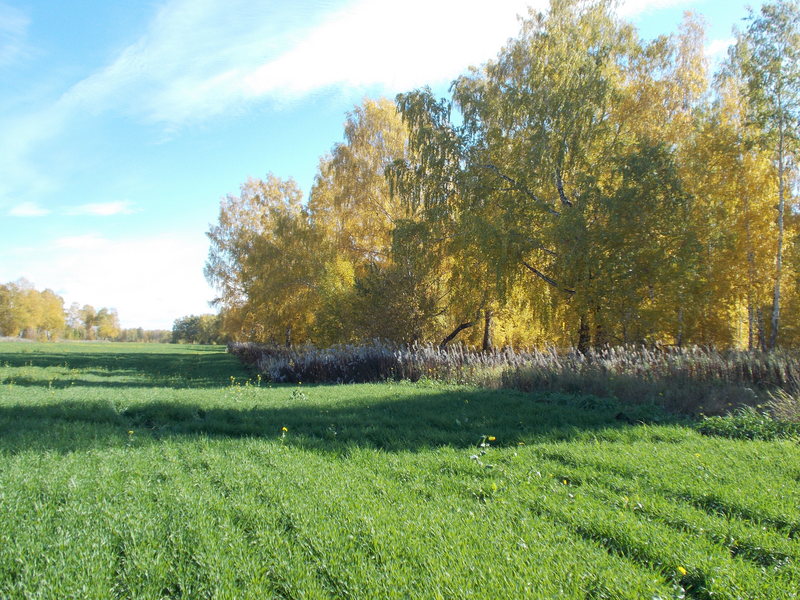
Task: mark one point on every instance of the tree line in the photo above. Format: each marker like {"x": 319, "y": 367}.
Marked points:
{"x": 28, "y": 313}
{"x": 586, "y": 187}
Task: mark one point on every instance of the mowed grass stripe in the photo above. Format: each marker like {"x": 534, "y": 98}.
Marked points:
{"x": 447, "y": 536}
{"x": 709, "y": 475}
{"x": 750, "y": 540}
{"x": 358, "y": 542}
{"x": 162, "y": 472}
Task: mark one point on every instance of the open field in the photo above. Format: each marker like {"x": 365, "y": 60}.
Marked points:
{"x": 149, "y": 471}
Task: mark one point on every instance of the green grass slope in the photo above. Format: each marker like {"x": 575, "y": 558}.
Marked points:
{"x": 150, "y": 471}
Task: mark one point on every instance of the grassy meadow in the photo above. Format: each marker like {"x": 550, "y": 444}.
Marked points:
{"x": 159, "y": 471}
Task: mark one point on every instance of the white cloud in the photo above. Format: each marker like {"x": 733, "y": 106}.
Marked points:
{"x": 88, "y": 241}
{"x": 151, "y": 281}
{"x": 632, "y": 8}
{"x": 376, "y": 43}
{"x": 202, "y": 58}
{"x": 13, "y": 32}
{"x": 716, "y": 49}
{"x": 28, "y": 209}
{"x": 102, "y": 209}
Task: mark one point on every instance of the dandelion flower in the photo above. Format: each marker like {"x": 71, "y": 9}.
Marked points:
{"x": 682, "y": 571}
{"x": 491, "y": 438}
{"x": 284, "y": 429}
{"x": 565, "y": 482}
{"x": 130, "y": 432}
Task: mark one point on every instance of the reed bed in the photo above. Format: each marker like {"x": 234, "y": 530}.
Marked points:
{"x": 690, "y": 380}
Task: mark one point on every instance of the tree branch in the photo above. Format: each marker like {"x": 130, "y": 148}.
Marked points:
{"x": 545, "y": 278}
{"x": 454, "y": 333}
{"x": 560, "y": 186}
{"x": 520, "y": 187}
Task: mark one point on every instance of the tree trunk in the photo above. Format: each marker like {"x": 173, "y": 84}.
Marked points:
{"x": 289, "y": 336}
{"x": 487, "y": 331}
{"x": 454, "y": 333}
{"x": 751, "y": 278}
{"x": 583, "y": 335}
{"x": 762, "y": 333}
{"x": 600, "y": 332}
{"x": 776, "y": 297}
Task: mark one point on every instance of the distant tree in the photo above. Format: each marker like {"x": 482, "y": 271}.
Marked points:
{"x": 87, "y": 316}
{"x": 26, "y": 312}
{"x": 107, "y": 323}
{"x": 139, "y": 334}
{"x": 53, "y": 317}
{"x": 197, "y": 329}
{"x": 10, "y": 319}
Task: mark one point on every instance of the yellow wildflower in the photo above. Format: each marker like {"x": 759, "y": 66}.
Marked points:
{"x": 682, "y": 571}
{"x": 491, "y": 438}
{"x": 284, "y": 429}
{"x": 130, "y": 432}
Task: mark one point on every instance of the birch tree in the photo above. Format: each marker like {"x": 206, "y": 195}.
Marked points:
{"x": 769, "y": 51}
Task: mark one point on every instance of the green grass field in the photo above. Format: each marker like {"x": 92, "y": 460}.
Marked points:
{"x": 147, "y": 471}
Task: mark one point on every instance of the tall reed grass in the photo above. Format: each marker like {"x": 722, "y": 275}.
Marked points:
{"x": 689, "y": 380}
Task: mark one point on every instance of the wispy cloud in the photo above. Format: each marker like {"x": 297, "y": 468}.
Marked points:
{"x": 28, "y": 209}
{"x": 191, "y": 61}
{"x": 13, "y": 32}
{"x": 102, "y": 209}
{"x": 371, "y": 43}
{"x": 201, "y": 58}
{"x": 198, "y": 59}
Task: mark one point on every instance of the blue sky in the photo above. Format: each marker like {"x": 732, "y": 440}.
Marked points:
{"x": 122, "y": 124}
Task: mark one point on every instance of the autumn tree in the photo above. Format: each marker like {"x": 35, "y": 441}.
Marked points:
{"x": 27, "y": 312}
{"x": 265, "y": 259}
{"x": 197, "y": 329}
{"x": 372, "y": 286}
{"x": 534, "y": 127}
{"x": 769, "y": 55}
{"x": 585, "y": 187}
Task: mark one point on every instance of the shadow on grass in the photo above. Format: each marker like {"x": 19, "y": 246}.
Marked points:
{"x": 196, "y": 369}
{"x": 399, "y": 422}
